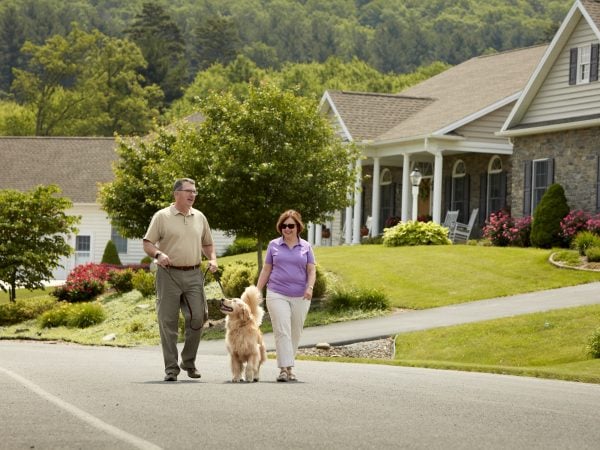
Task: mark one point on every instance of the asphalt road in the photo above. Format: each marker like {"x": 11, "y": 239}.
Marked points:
{"x": 59, "y": 396}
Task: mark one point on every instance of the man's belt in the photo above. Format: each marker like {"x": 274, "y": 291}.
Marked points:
{"x": 185, "y": 267}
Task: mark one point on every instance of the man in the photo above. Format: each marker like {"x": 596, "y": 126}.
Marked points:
{"x": 177, "y": 238}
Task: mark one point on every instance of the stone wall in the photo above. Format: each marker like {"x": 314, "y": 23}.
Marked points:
{"x": 575, "y": 155}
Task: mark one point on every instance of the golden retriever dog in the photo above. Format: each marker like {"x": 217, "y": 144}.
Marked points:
{"x": 243, "y": 337}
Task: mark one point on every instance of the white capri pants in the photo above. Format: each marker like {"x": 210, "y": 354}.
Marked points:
{"x": 287, "y": 316}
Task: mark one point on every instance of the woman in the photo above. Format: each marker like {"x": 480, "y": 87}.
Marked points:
{"x": 289, "y": 273}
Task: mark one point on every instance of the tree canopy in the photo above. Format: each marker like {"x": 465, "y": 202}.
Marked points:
{"x": 33, "y": 230}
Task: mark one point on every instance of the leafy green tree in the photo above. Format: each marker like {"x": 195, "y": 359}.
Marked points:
{"x": 255, "y": 158}
{"x": 217, "y": 41}
{"x": 11, "y": 39}
{"x": 33, "y": 226}
{"x": 163, "y": 47}
{"x": 86, "y": 84}
{"x": 141, "y": 185}
{"x": 16, "y": 120}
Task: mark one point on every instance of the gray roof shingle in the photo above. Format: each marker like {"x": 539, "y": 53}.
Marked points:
{"x": 75, "y": 164}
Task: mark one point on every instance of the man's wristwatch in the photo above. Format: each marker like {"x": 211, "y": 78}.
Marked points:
{"x": 157, "y": 254}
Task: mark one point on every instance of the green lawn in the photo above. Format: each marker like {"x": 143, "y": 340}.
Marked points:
{"x": 429, "y": 276}
{"x": 550, "y": 344}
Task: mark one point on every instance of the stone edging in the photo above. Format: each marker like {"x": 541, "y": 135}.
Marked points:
{"x": 565, "y": 266}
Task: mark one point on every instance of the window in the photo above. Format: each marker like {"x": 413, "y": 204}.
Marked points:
{"x": 540, "y": 180}
{"x": 83, "y": 249}
{"x": 583, "y": 64}
{"x": 119, "y": 241}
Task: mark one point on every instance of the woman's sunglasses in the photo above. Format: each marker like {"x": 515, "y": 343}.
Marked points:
{"x": 283, "y": 226}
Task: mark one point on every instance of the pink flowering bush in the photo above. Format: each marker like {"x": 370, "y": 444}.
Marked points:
{"x": 593, "y": 224}
{"x": 85, "y": 282}
{"x": 573, "y": 223}
{"x": 502, "y": 230}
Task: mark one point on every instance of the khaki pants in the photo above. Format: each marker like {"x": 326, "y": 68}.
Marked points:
{"x": 178, "y": 290}
{"x": 287, "y": 317}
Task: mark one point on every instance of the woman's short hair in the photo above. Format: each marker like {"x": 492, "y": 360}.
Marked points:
{"x": 290, "y": 214}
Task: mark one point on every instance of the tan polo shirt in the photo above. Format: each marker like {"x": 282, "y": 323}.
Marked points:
{"x": 180, "y": 236}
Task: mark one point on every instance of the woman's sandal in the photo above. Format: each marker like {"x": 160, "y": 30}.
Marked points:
{"x": 283, "y": 376}
{"x": 291, "y": 377}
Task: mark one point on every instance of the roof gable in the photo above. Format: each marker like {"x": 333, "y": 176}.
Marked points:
{"x": 76, "y": 165}
{"x": 587, "y": 10}
{"x": 362, "y": 116}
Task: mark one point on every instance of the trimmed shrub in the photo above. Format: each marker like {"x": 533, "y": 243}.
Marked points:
{"x": 243, "y": 245}
{"x": 144, "y": 283}
{"x": 121, "y": 280}
{"x": 85, "y": 282}
{"x": 573, "y": 223}
{"x": 593, "y": 345}
{"x": 320, "y": 286}
{"x": 585, "y": 240}
{"x": 415, "y": 233}
{"x": 545, "y": 228}
{"x": 111, "y": 255}
{"x": 593, "y": 254}
{"x": 502, "y": 230}
{"x": 25, "y": 309}
{"x": 237, "y": 277}
{"x": 80, "y": 315}
{"x": 342, "y": 299}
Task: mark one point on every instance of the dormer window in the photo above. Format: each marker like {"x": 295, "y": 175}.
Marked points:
{"x": 583, "y": 64}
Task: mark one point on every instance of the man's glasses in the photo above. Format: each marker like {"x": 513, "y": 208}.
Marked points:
{"x": 189, "y": 191}
{"x": 283, "y": 226}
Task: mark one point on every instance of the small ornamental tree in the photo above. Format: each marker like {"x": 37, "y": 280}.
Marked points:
{"x": 545, "y": 228}
{"x": 33, "y": 236}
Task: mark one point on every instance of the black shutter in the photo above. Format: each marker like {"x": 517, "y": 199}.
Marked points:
{"x": 483, "y": 197}
{"x": 503, "y": 189}
{"x": 573, "y": 66}
{"x": 550, "y": 171}
{"x": 527, "y": 188}
{"x": 447, "y": 194}
{"x": 598, "y": 183}
{"x": 466, "y": 213}
{"x": 594, "y": 62}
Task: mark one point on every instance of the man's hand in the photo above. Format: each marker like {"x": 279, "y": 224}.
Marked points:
{"x": 212, "y": 265}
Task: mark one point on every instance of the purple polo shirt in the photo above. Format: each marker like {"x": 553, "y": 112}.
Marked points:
{"x": 288, "y": 276}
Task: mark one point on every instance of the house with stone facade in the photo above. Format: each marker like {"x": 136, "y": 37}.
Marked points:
{"x": 491, "y": 133}
{"x": 78, "y": 165}
{"x": 555, "y": 125}
{"x": 447, "y": 127}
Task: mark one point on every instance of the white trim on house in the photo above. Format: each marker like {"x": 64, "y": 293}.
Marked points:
{"x": 327, "y": 98}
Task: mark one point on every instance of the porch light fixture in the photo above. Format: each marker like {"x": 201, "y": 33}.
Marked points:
{"x": 415, "y": 179}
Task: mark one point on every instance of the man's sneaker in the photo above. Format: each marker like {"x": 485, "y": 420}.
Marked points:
{"x": 170, "y": 377}
{"x": 192, "y": 373}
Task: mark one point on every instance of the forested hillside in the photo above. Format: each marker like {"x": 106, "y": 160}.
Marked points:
{"x": 192, "y": 45}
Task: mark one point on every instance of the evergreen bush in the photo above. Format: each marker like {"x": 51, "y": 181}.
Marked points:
{"x": 25, "y": 309}
{"x": 545, "y": 228}
{"x": 121, "y": 280}
{"x": 341, "y": 299}
{"x": 593, "y": 254}
{"x": 111, "y": 255}
{"x": 320, "y": 286}
{"x": 593, "y": 346}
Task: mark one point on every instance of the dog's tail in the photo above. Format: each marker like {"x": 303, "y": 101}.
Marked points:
{"x": 253, "y": 298}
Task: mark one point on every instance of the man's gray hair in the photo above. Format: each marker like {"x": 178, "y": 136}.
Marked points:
{"x": 180, "y": 182}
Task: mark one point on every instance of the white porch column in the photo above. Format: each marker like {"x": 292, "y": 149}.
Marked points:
{"x": 406, "y": 189}
{"x": 318, "y": 236}
{"x": 357, "y": 205}
{"x": 311, "y": 233}
{"x": 375, "y": 198}
{"x": 348, "y": 218}
{"x": 438, "y": 165}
